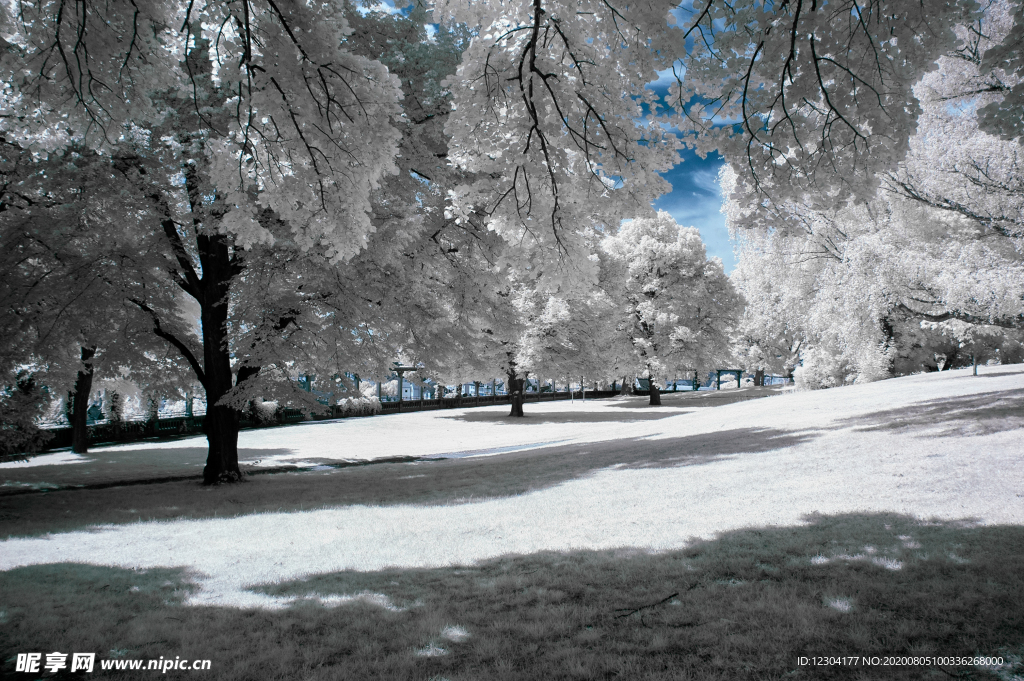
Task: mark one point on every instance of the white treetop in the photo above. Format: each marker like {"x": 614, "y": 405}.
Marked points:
{"x": 284, "y": 110}
{"x": 677, "y": 304}
{"x": 549, "y": 118}
{"x": 820, "y": 93}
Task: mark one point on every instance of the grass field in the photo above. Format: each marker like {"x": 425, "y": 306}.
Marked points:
{"x": 723, "y": 536}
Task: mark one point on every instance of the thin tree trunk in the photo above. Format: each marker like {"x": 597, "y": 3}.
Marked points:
{"x": 116, "y": 416}
{"x": 153, "y": 417}
{"x": 516, "y": 386}
{"x": 79, "y": 411}
{"x": 655, "y": 393}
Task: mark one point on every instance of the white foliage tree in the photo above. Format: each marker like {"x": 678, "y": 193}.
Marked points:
{"x": 245, "y": 125}
{"x": 820, "y": 93}
{"x": 678, "y": 307}
{"x": 547, "y": 102}
{"x": 927, "y": 267}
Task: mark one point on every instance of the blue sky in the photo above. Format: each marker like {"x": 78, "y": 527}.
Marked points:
{"x": 695, "y": 201}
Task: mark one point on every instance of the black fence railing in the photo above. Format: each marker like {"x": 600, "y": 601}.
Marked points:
{"x": 485, "y": 400}
{"x": 116, "y": 432}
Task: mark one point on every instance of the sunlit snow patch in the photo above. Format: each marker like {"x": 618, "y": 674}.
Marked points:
{"x": 497, "y": 450}
{"x": 455, "y": 633}
{"x": 888, "y": 563}
{"x": 56, "y": 459}
{"x": 840, "y": 604}
{"x": 880, "y": 561}
{"x": 277, "y": 462}
{"x": 909, "y": 542}
{"x": 31, "y": 485}
{"x": 251, "y": 599}
{"x": 334, "y": 600}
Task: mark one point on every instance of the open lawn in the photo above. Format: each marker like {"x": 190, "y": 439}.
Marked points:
{"x": 723, "y": 535}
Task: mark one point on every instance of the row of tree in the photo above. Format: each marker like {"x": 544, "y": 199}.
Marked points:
{"x": 222, "y": 195}
{"x": 200, "y": 232}
{"x": 925, "y": 271}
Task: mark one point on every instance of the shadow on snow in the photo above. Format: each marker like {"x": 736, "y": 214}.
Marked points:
{"x": 967, "y": 415}
{"x": 743, "y": 606}
{"x": 433, "y": 481}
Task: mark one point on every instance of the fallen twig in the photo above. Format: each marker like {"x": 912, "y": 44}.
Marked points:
{"x": 644, "y": 607}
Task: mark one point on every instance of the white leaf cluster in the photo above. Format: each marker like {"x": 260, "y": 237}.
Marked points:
{"x": 678, "y": 307}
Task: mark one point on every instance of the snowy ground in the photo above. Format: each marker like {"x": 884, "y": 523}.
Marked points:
{"x": 452, "y": 433}
{"x": 948, "y": 446}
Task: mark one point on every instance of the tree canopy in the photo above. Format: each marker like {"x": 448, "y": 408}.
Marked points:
{"x": 925, "y": 273}
{"x": 260, "y": 189}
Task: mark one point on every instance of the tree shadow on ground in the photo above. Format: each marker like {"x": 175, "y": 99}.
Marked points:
{"x": 581, "y": 417}
{"x": 992, "y": 374}
{"x": 638, "y": 407}
{"x": 747, "y": 605}
{"x": 697, "y": 399}
{"x": 968, "y": 415}
{"x": 121, "y": 465}
{"x": 434, "y": 481}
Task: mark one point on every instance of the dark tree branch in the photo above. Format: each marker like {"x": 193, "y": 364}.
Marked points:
{"x": 1003, "y": 323}
{"x": 173, "y": 340}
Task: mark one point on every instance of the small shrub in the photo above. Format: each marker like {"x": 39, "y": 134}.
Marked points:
{"x": 358, "y": 406}
{"x": 820, "y": 369}
{"x": 265, "y": 413}
{"x": 20, "y": 408}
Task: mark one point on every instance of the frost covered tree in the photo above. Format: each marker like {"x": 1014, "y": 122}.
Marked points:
{"x": 1003, "y": 67}
{"x": 570, "y": 338}
{"x": 231, "y": 119}
{"x": 68, "y": 235}
{"x": 839, "y": 295}
{"x": 548, "y": 91}
{"x": 546, "y": 102}
{"x": 926, "y": 268}
{"x": 288, "y": 187}
{"x": 971, "y": 178}
{"x": 567, "y": 335}
{"x": 21, "y": 403}
{"x": 237, "y": 288}
{"x": 820, "y": 93}
{"x": 867, "y": 291}
{"x": 677, "y": 306}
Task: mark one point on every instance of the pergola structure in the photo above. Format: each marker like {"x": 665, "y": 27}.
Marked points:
{"x": 739, "y": 376}
{"x": 401, "y": 372}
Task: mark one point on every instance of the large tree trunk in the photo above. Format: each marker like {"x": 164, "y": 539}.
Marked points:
{"x": 79, "y": 412}
{"x": 222, "y": 422}
{"x": 624, "y": 390}
{"x": 516, "y": 386}
{"x": 655, "y": 393}
{"x": 759, "y": 377}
